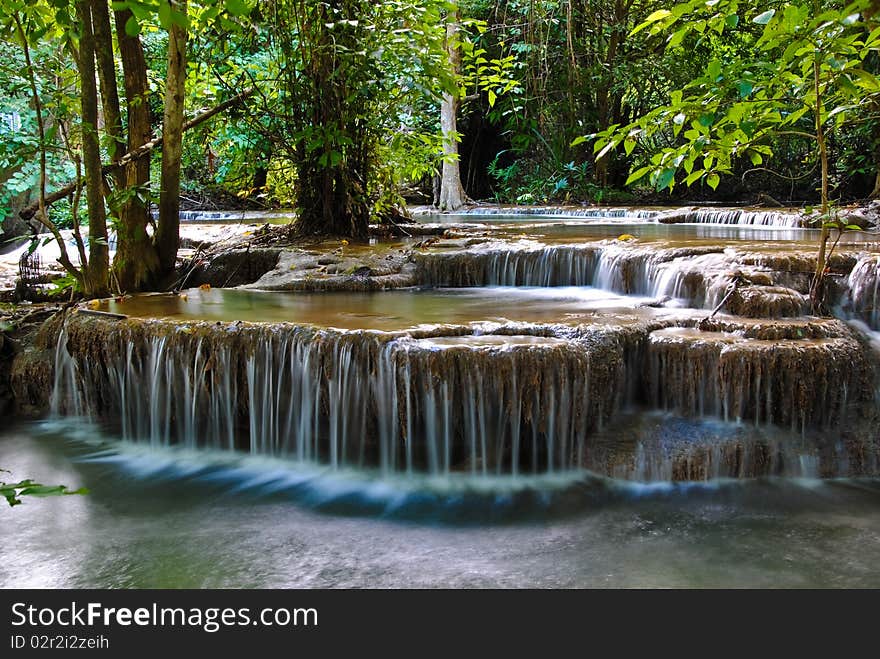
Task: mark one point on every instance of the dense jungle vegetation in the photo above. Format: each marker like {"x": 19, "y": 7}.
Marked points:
{"x": 116, "y": 113}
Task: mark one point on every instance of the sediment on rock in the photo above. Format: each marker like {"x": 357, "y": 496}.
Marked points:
{"x": 766, "y": 302}
{"x": 339, "y": 269}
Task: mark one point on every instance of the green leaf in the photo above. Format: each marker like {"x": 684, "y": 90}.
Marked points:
{"x": 165, "y": 14}
{"x": 713, "y": 180}
{"x": 732, "y": 20}
{"x": 636, "y": 175}
{"x": 677, "y": 37}
{"x": 693, "y": 177}
{"x": 765, "y": 17}
{"x": 658, "y": 15}
{"x": 237, "y": 7}
{"x": 713, "y": 70}
{"x": 666, "y": 179}
{"x": 132, "y": 27}
{"x": 745, "y": 88}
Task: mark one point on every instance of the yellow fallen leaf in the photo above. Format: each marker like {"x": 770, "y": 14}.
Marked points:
{"x": 94, "y": 304}
{"x": 205, "y": 287}
{"x": 344, "y": 241}
{"x": 626, "y": 236}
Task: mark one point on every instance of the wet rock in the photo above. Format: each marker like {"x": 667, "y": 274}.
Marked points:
{"x": 767, "y": 302}
{"x": 351, "y": 269}
{"x": 233, "y": 268}
{"x": 31, "y": 379}
{"x": 654, "y": 447}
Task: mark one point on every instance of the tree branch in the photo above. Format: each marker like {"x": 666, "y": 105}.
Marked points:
{"x": 29, "y": 211}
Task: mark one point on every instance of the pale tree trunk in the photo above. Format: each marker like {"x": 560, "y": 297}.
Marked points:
{"x": 452, "y": 195}
{"x": 96, "y": 273}
{"x": 875, "y": 193}
{"x": 167, "y": 231}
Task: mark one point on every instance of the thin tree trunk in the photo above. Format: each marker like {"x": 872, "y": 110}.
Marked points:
{"x": 43, "y": 216}
{"x": 136, "y": 263}
{"x": 452, "y": 195}
{"x": 96, "y": 273}
{"x": 603, "y": 92}
{"x": 817, "y": 285}
{"x": 167, "y": 231}
{"x": 875, "y": 193}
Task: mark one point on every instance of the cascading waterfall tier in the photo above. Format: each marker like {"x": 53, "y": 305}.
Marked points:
{"x": 796, "y": 382}
{"x": 666, "y": 447}
{"x": 698, "y": 276}
{"x": 410, "y": 402}
{"x": 690, "y": 215}
{"x": 864, "y": 285}
{"x": 738, "y": 216}
{"x": 485, "y": 399}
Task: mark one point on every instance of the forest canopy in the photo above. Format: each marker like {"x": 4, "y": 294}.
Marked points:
{"x": 116, "y": 113}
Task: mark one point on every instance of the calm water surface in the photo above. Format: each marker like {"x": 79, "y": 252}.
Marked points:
{"x": 159, "y": 520}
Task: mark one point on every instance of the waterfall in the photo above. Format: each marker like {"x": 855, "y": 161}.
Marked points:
{"x": 487, "y": 400}
{"x": 689, "y": 215}
{"x": 696, "y": 275}
{"x": 483, "y": 404}
{"x": 542, "y": 266}
{"x": 742, "y": 217}
{"x": 797, "y": 383}
{"x": 863, "y": 286}
{"x": 561, "y": 212}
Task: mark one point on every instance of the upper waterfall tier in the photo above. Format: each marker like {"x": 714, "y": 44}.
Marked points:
{"x": 666, "y": 215}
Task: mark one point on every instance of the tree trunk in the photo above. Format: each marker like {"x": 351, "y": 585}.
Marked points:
{"x": 875, "y": 193}
{"x": 136, "y": 263}
{"x": 603, "y": 91}
{"x": 817, "y": 286}
{"x": 167, "y": 231}
{"x": 452, "y": 195}
{"x": 331, "y": 195}
{"x": 96, "y": 273}
{"x": 107, "y": 76}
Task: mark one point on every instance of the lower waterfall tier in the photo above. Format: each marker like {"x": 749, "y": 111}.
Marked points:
{"x": 505, "y": 399}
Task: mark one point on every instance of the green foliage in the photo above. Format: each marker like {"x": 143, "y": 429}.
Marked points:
{"x": 793, "y": 71}
{"x": 13, "y": 492}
